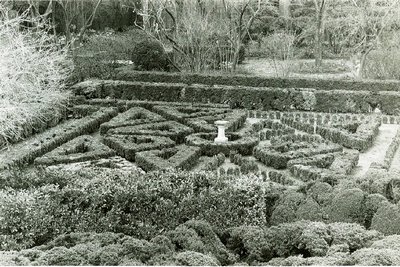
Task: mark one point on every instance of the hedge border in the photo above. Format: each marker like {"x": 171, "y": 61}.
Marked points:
{"x": 128, "y": 74}
{"x": 25, "y": 152}
{"x": 128, "y": 145}
{"x": 184, "y": 158}
{"x": 262, "y": 98}
{"x": 61, "y": 154}
{"x": 124, "y": 105}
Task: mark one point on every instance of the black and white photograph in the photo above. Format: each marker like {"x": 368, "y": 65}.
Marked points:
{"x": 199, "y": 132}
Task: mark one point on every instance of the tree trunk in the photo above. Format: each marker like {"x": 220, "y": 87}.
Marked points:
{"x": 236, "y": 54}
{"x": 319, "y": 33}
{"x": 363, "y": 59}
{"x": 284, "y": 8}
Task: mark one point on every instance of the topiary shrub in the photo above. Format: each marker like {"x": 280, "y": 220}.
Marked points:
{"x": 60, "y": 256}
{"x": 372, "y": 203}
{"x": 150, "y": 55}
{"x": 347, "y": 206}
{"x": 353, "y": 235}
{"x": 387, "y": 219}
{"x": 212, "y": 244}
{"x": 371, "y": 256}
{"x": 191, "y": 258}
{"x": 301, "y": 237}
{"x": 185, "y": 238}
{"x": 310, "y": 210}
{"x": 106, "y": 256}
{"x": 249, "y": 243}
{"x": 388, "y": 242}
{"x": 286, "y": 207}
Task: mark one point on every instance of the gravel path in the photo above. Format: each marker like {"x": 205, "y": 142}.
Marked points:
{"x": 377, "y": 152}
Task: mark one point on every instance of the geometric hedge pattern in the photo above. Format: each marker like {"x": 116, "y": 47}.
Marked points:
{"x": 281, "y": 148}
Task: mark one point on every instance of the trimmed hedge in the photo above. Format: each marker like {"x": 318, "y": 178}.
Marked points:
{"x": 128, "y": 145}
{"x": 82, "y": 148}
{"x": 181, "y": 157}
{"x": 26, "y": 151}
{"x": 128, "y": 74}
{"x": 262, "y": 98}
{"x": 329, "y": 168}
{"x": 282, "y": 150}
{"x": 361, "y": 140}
{"x": 171, "y": 129}
{"x": 131, "y": 117}
{"x": 244, "y": 144}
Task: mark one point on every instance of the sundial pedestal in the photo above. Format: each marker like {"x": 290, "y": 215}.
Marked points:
{"x": 221, "y": 138}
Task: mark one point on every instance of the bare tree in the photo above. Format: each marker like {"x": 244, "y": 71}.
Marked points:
{"x": 320, "y": 11}
{"x": 369, "y": 20}
{"x": 76, "y": 10}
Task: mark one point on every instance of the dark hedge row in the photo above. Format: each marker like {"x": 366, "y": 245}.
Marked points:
{"x": 263, "y": 98}
{"x": 82, "y": 148}
{"x": 127, "y": 74}
{"x": 27, "y": 151}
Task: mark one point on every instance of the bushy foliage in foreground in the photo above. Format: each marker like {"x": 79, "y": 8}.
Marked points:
{"x": 197, "y": 243}
{"x": 119, "y": 201}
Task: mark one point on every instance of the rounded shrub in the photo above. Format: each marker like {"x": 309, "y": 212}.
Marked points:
{"x": 191, "y": 258}
{"x": 347, "y": 206}
{"x": 249, "y": 243}
{"x": 371, "y": 256}
{"x": 388, "y": 242}
{"x": 106, "y": 256}
{"x": 286, "y": 207}
{"x": 309, "y": 210}
{"x": 353, "y": 235}
{"x": 149, "y": 55}
{"x": 387, "y": 219}
{"x": 61, "y": 256}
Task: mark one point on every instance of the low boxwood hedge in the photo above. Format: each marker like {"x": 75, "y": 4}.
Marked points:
{"x": 26, "y": 151}
{"x": 179, "y": 157}
{"x": 82, "y": 148}
{"x": 171, "y": 129}
{"x": 131, "y": 117}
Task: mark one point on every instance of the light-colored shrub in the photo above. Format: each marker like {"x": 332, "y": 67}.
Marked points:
{"x": 33, "y": 69}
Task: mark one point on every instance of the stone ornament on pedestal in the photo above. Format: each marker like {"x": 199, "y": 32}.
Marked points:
{"x": 221, "y": 138}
